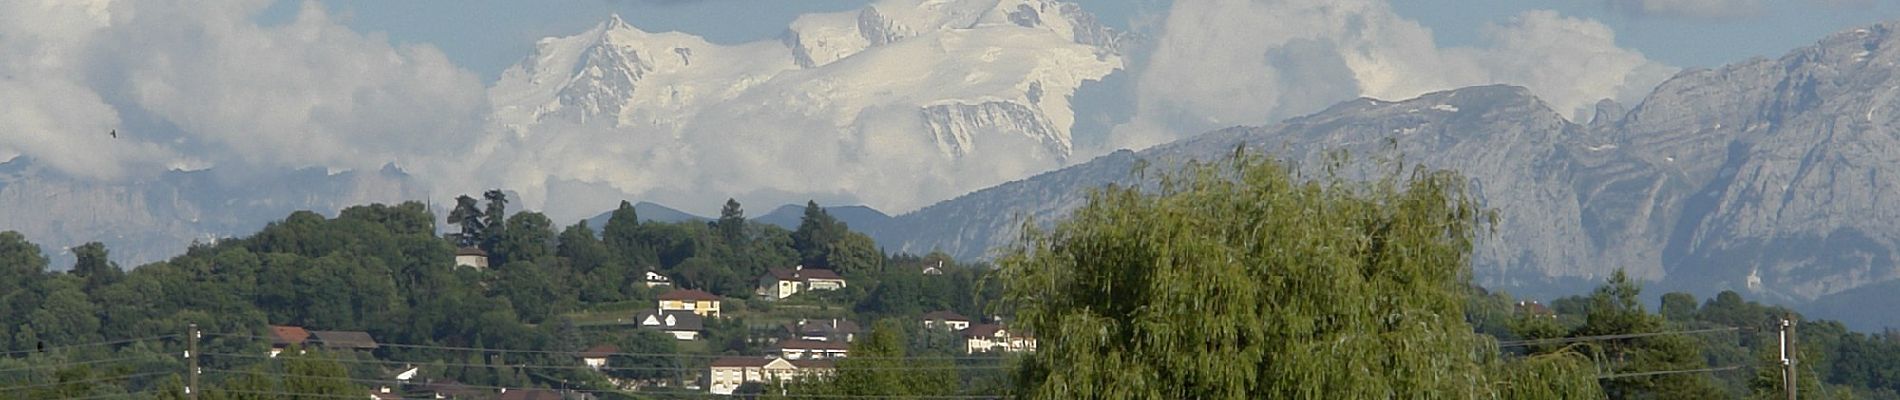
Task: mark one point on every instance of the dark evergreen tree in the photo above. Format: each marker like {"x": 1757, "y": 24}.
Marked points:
{"x": 731, "y": 223}
{"x": 623, "y": 233}
{"x": 817, "y": 233}
{"x": 494, "y": 220}
{"x": 468, "y": 216}
{"x": 94, "y": 266}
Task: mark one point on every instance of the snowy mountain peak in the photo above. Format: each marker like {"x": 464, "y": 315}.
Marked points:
{"x": 819, "y": 39}
{"x": 976, "y": 91}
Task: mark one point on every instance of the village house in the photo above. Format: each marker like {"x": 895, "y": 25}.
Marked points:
{"x": 384, "y": 393}
{"x": 992, "y": 337}
{"x": 683, "y": 325}
{"x": 690, "y": 300}
{"x": 946, "y": 319}
{"x": 448, "y": 389}
{"x": 344, "y": 340}
{"x": 824, "y": 330}
{"x": 529, "y": 394}
{"x": 596, "y": 357}
{"x": 779, "y": 283}
{"x": 728, "y": 373}
{"x": 471, "y": 257}
{"x": 654, "y": 279}
{"x": 1534, "y": 309}
{"x": 283, "y": 337}
{"x": 800, "y": 349}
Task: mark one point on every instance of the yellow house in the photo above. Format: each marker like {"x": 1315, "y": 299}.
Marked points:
{"x": 691, "y": 300}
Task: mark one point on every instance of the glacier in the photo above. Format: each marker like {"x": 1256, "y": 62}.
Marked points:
{"x": 855, "y": 103}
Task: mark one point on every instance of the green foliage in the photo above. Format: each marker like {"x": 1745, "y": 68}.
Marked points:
{"x": 529, "y": 237}
{"x": 468, "y": 216}
{"x": 1236, "y": 281}
{"x": 731, "y": 223}
{"x": 1616, "y": 310}
{"x": 622, "y": 236}
{"x": 93, "y": 265}
{"x": 879, "y": 368}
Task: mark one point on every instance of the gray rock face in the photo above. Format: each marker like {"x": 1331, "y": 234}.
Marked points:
{"x": 955, "y": 127}
{"x": 1773, "y": 177}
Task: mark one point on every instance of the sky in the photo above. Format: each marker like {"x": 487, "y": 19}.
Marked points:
{"x": 487, "y": 36}
{"x": 253, "y": 86}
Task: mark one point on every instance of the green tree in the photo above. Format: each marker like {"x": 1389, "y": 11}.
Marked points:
{"x": 529, "y": 237}
{"x": 94, "y": 265}
{"x": 494, "y": 219}
{"x": 1616, "y": 309}
{"x": 622, "y": 235}
{"x": 1678, "y": 306}
{"x": 534, "y": 290}
{"x": 880, "y": 367}
{"x": 1235, "y": 280}
{"x": 639, "y": 360}
{"x": 817, "y": 233}
{"x": 318, "y": 375}
{"x": 468, "y": 217}
{"x": 731, "y": 223}
{"x": 66, "y": 316}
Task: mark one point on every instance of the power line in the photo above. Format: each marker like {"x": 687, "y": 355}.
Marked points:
{"x": 1668, "y": 372}
{"x": 359, "y": 380}
{"x": 100, "y": 396}
{"x": 94, "y": 380}
{"x": 579, "y": 367}
{"x": 337, "y": 378}
{"x": 70, "y": 364}
{"x": 1573, "y": 339}
{"x": 83, "y": 345}
{"x": 627, "y": 354}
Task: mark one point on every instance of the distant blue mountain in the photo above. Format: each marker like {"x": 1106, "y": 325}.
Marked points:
{"x": 860, "y": 218}
{"x": 650, "y": 212}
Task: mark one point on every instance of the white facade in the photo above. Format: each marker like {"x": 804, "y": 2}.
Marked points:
{"x": 726, "y": 375}
{"x": 656, "y": 279}
{"x": 475, "y": 261}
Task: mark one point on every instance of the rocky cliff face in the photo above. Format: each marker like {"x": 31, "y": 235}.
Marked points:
{"x": 1772, "y": 177}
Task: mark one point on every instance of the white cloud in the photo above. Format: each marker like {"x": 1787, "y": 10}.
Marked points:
{"x": 195, "y": 83}
{"x": 1240, "y": 62}
{"x": 1713, "y": 9}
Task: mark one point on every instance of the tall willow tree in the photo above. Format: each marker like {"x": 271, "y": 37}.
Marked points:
{"x": 1240, "y": 280}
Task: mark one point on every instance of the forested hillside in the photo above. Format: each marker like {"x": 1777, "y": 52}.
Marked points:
{"x": 99, "y": 330}
{"x": 1199, "y": 287}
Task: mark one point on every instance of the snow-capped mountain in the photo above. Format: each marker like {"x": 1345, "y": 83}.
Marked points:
{"x": 979, "y": 89}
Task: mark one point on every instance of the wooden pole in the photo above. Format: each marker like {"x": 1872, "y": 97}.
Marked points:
{"x": 191, "y": 361}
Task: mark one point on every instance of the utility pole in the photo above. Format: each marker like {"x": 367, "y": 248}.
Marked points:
{"x": 1788, "y": 355}
{"x": 191, "y": 361}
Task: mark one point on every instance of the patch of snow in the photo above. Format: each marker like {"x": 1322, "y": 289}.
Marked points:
{"x": 1602, "y": 148}
{"x": 1445, "y": 108}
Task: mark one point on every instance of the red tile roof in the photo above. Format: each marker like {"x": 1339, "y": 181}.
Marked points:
{"x": 688, "y": 294}
{"x": 749, "y": 362}
{"x": 530, "y": 394}
{"x": 283, "y": 335}
{"x": 345, "y": 340}
{"x": 802, "y": 344}
{"x": 945, "y": 315}
{"x": 982, "y": 330}
{"x": 601, "y": 351}
{"x": 802, "y": 274}
{"x": 814, "y": 364}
